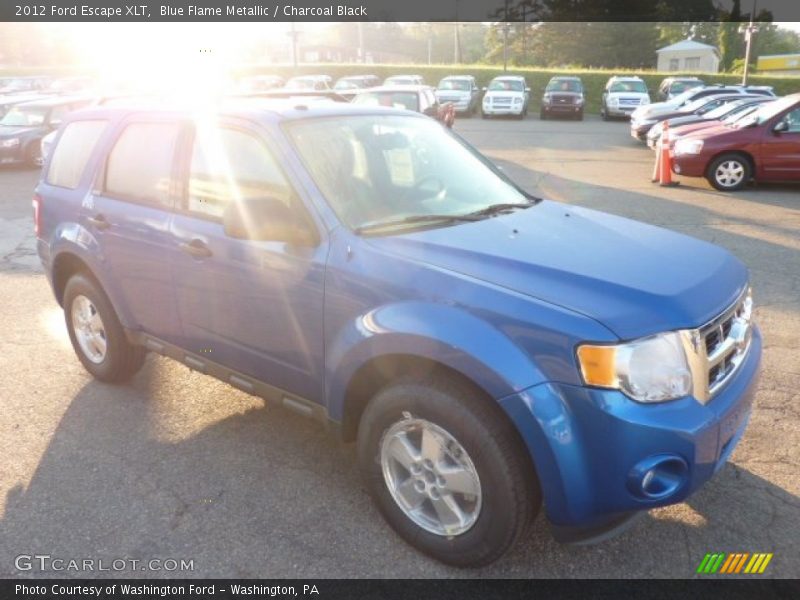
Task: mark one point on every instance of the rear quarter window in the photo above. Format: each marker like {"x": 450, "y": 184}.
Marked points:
{"x": 71, "y": 154}
{"x": 140, "y": 165}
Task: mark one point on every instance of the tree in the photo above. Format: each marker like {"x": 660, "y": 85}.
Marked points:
{"x": 730, "y": 40}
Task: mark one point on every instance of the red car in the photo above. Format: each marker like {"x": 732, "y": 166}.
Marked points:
{"x": 764, "y": 146}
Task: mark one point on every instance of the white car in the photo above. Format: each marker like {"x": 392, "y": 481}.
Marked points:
{"x": 404, "y": 80}
{"x": 462, "y": 91}
{"x": 623, "y": 95}
{"x": 506, "y": 95}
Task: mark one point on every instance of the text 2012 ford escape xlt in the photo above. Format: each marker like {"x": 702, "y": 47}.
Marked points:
{"x": 489, "y": 351}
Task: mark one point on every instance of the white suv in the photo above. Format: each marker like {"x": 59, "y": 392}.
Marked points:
{"x": 623, "y": 95}
{"x": 506, "y": 95}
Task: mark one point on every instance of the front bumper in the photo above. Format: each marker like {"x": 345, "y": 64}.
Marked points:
{"x": 620, "y": 111}
{"x": 587, "y": 444}
{"x": 564, "y": 109}
{"x": 691, "y": 165}
{"x": 513, "y": 109}
{"x": 639, "y": 130}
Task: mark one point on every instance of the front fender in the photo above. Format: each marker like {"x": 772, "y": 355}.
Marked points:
{"x": 441, "y": 333}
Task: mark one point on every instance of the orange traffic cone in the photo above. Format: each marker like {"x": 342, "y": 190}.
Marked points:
{"x": 665, "y": 160}
{"x": 656, "y": 176}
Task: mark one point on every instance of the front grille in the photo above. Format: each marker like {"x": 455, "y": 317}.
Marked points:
{"x": 724, "y": 343}
{"x": 563, "y": 99}
{"x": 501, "y": 100}
{"x": 629, "y": 101}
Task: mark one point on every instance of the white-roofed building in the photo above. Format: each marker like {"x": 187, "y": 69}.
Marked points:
{"x": 688, "y": 56}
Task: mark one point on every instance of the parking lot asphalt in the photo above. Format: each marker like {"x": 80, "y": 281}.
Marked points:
{"x": 177, "y": 465}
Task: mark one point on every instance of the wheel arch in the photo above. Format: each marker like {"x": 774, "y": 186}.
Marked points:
{"x": 738, "y": 152}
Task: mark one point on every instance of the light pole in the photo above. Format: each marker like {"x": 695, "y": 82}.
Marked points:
{"x": 749, "y": 30}
{"x": 505, "y": 37}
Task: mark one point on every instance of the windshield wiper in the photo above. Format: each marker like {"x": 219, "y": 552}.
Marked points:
{"x": 415, "y": 219}
{"x": 498, "y": 208}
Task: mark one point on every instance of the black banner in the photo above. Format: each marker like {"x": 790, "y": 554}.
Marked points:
{"x": 390, "y": 10}
{"x": 327, "y": 589}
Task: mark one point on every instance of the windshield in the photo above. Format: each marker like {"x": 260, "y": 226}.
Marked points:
{"x": 766, "y": 112}
{"x": 346, "y": 84}
{"x": 25, "y": 117}
{"x": 724, "y": 109}
{"x": 636, "y": 87}
{"x": 740, "y": 113}
{"x": 564, "y": 85}
{"x": 16, "y": 84}
{"x": 506, "y": 85}
{"x": 383, "y": 168}
{"x": 460, "y": 85}
{"x": 407, "y": 100}
{"x": 679, "y": 87}
{"x": 401, "y": 81}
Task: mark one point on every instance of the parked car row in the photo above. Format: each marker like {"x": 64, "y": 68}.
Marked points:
{"x": 730, "y": 135}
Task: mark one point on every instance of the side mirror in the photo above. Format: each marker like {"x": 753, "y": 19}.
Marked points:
{"x": 527, "y": 90}
{"x": 781, "y": 127}
{"x": 267, "y": 219}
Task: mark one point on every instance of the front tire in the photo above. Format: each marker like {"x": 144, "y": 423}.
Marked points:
{"x": 729, "y": 172}
{"x": 96, "y": 333}
{"x": 447, "y": 470}
{"x": 542, "y": 115}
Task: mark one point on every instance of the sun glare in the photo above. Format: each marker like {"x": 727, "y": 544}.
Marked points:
{"x": 178, "y": 60}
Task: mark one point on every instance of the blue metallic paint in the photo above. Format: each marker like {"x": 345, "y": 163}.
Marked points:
{"x": 503, "y": 301}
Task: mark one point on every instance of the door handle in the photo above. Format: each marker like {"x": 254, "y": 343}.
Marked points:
{"x": 99, "y": 222}
{"x": 196, "y": 248}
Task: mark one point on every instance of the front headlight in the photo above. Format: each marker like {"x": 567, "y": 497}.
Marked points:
{"x": 517, "y": 100}
{"x": 613, "y": 101}
{"x": 645, "y": 101}
{"x": 546, "y": 98}
{"x": 652, "y": 369}
{"x": 688, "y": 147}
{"x": 10, "y": 143}
{"x": 579, "y": 100}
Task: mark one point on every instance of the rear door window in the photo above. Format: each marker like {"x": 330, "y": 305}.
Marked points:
{"x": 72, "y": 153}
{"x": 140, "y": 166}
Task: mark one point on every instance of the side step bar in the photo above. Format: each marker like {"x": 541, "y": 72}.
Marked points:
{"x": 240, "y": 381}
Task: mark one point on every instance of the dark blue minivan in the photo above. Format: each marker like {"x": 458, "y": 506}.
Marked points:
{"x": 489, "y": 351}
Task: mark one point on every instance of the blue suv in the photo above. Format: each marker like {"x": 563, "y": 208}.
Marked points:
{"x": 489, "y": 351}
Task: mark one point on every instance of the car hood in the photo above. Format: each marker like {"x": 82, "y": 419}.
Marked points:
{"x": 635, "y": 279}
{"x": 7, "y": 131}
{"x": 694, "y": 128}
{"x": 503, "y": 93}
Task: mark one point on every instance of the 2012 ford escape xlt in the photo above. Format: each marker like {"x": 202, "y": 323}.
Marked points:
{"x": 489, "y": 351}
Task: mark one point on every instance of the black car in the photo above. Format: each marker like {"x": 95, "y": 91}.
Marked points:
{"x": 563, "y": 96}
{"x": 24, "y": 126}
{"x": 9, "y": 102}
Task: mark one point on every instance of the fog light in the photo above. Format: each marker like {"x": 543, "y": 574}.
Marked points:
{"x": 658, "y": 477}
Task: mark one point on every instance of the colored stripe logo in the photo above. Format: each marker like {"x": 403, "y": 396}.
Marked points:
{"x": 734, "y": 563}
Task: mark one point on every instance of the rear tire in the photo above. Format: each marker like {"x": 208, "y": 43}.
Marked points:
{"x": 729, "y": 172}
{"x": 470, "y": 443}
{"x": 96, "y": 333}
